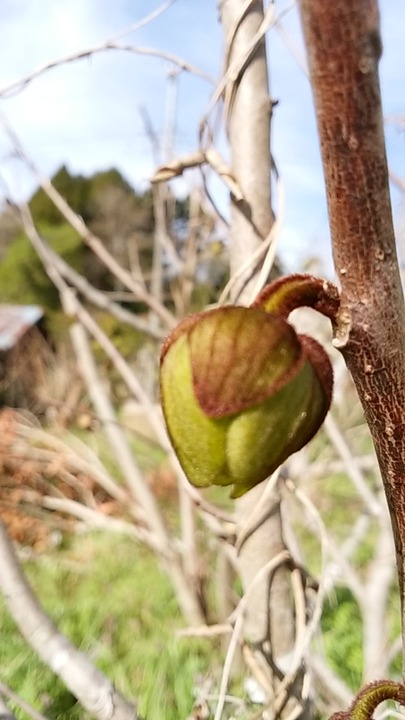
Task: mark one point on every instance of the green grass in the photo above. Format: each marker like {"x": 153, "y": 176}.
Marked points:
{"x": 342, "y": 636}
{"x": 111, "y": 599}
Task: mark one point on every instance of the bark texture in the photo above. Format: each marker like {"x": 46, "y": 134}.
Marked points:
{"x": 248, "y": 115}
{"x": 344, "y": 47}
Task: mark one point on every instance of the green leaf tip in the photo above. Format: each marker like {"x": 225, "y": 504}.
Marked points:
{"x": 241, "y": 390}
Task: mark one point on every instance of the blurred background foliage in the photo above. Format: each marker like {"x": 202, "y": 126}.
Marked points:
{"x": 130, "y": 629}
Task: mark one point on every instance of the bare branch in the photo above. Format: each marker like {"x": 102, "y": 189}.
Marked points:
{"x": 5, "y": 713}
{"x": 176, "y": 167}
{"x": 234, "y": 68}
{"x": 263, "y": 256}
{"x": 111, "y": 44}
{"x": 266, "y": 570}
{"x": 375, "y": 601}
{"x": 93, "y": 242}
{"x": 20, "y": 702}
{"x": 94, "y": 691}
{"x": 90, "y": 466}
{"x": 351, "y": 467}
{"x": 208, "y": 631}
{"x": 212, "y": 157}
{"x": 136, "y": 483}
{"x": 334, "y": 684}
{"x": 270, "y": 621}
{"x": 95, "y": 519}
{"x": 98, "y": 298}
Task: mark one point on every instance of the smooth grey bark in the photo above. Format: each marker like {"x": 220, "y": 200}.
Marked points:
{"x": 248, "y": 118}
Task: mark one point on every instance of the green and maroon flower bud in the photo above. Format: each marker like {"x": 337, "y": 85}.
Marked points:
{"x": 241, "y": 392}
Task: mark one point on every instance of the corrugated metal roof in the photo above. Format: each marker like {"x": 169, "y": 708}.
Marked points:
{"x": 15, "y": 320}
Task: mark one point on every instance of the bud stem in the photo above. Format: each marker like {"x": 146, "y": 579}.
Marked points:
{"x": 290, "y": 292}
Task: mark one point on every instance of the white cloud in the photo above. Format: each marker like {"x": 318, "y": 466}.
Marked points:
{"x": 86, "y": 114}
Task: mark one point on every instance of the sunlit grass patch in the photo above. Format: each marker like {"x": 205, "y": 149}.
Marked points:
{"x": 112, "y": 600}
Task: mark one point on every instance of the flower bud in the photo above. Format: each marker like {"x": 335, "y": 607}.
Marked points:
{"x": 241, "y": 392}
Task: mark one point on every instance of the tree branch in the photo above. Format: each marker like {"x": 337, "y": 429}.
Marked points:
{"x": 5, "y": 713}
{"x": 94, "y": 691}
{"x": 111, "y": 44}
{"x": 249, "y": 113}
{"x": 138, "y": 487}
{"x": 270, "y": 619}
{"x": 20, "y": 702}
{"x": 344, "y": 47}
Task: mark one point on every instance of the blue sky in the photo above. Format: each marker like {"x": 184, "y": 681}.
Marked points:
{"x": 86, "y": 114}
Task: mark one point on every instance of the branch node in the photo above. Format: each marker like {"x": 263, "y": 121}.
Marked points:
{"x": 343, "y": 328}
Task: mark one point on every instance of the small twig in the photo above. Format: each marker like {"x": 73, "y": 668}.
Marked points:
{"x": 301, "y": 611}
{"x": 352, "y": 469}
{"x": 267, "y": 569}
{"x": 337, "y": 688}
{"x": 214, "y": 205}
{"x": 5, "y": 713}
{"x": 375, "y": 601}
{"x": 176, "y": 167}
{"x": 258, "y": 667}
{"x": 234, "y": 70}
{"x": 237, "y": 67}
{"x": 257, "y": 517}
{"x": 224, "y": 171}
{"x": 111, "y": 44}
{"x": 205, "y": 631}
{"x": 293, "y": 48}
{"x": 394, "y": 650}
{"x": 96, "y": 519}
{"x": 91, "y": 240}
{"x": 17, "y": 700}
{"x": 339, "y": 556}
{"x": 210, "y": 156}
{"x": 399, "y": 182}
{"x": 303, "y": 638}
{"x": 91, "y": 467}
{"x": 99, "y": 298}
{"x": 94, "y": 691}
{"x": 265, "y": 254}
{"x": 135, "y": 481}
